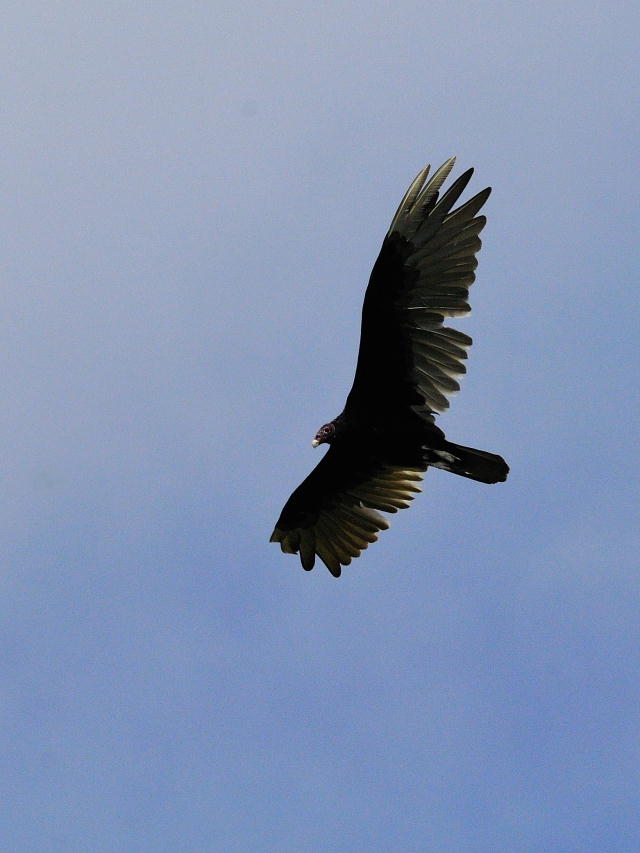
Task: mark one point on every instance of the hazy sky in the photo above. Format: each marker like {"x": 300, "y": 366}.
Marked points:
{"x": 193, "y": 197}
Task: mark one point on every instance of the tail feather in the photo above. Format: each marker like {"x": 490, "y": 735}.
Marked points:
{"x": 468, "y": 462}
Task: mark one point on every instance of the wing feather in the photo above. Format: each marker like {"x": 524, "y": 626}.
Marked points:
{"x": 422, "y": 276}
{"x": 334, "y": 513}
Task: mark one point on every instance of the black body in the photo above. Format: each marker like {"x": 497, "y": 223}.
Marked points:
{"x": 408, "y": 362}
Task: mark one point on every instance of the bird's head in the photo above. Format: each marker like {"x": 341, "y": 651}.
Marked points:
{"x": 324, "y": 435}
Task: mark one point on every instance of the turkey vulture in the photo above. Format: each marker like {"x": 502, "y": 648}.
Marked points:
{"x": 408, "y": 362}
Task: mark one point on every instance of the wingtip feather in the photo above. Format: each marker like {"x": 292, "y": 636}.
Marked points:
{"x": 419, "y": 195}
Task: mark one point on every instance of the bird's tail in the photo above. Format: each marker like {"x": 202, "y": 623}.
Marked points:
{"x": 468, "y": 462}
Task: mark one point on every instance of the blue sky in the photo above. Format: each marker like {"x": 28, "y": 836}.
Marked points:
{"x": 193, "y": 197}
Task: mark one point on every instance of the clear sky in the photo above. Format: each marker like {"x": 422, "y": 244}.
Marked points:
{"x": 193, "y": 196}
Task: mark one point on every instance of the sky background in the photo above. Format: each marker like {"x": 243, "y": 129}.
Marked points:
{"x": 193, "y": 195}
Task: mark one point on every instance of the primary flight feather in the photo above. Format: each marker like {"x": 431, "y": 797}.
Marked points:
{"x": 409, "y": 361}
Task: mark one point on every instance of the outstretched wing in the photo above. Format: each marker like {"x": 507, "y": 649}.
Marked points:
{"x": 334, "y": 512}
{"x": 427, "y": 263}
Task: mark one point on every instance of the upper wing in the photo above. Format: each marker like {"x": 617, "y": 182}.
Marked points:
{"x": 427, "y": 262}
{"x": 333, "y": 512}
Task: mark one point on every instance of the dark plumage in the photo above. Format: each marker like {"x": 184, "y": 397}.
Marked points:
{"x": 386, "y": 437}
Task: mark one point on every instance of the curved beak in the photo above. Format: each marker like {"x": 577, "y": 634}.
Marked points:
{"x": 315, "y": 442}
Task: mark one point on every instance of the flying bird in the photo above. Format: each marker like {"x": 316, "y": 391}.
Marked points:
{"x": 408, "y": 363}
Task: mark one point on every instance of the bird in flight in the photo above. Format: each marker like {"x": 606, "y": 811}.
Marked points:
{"x": 409, "y": 361}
